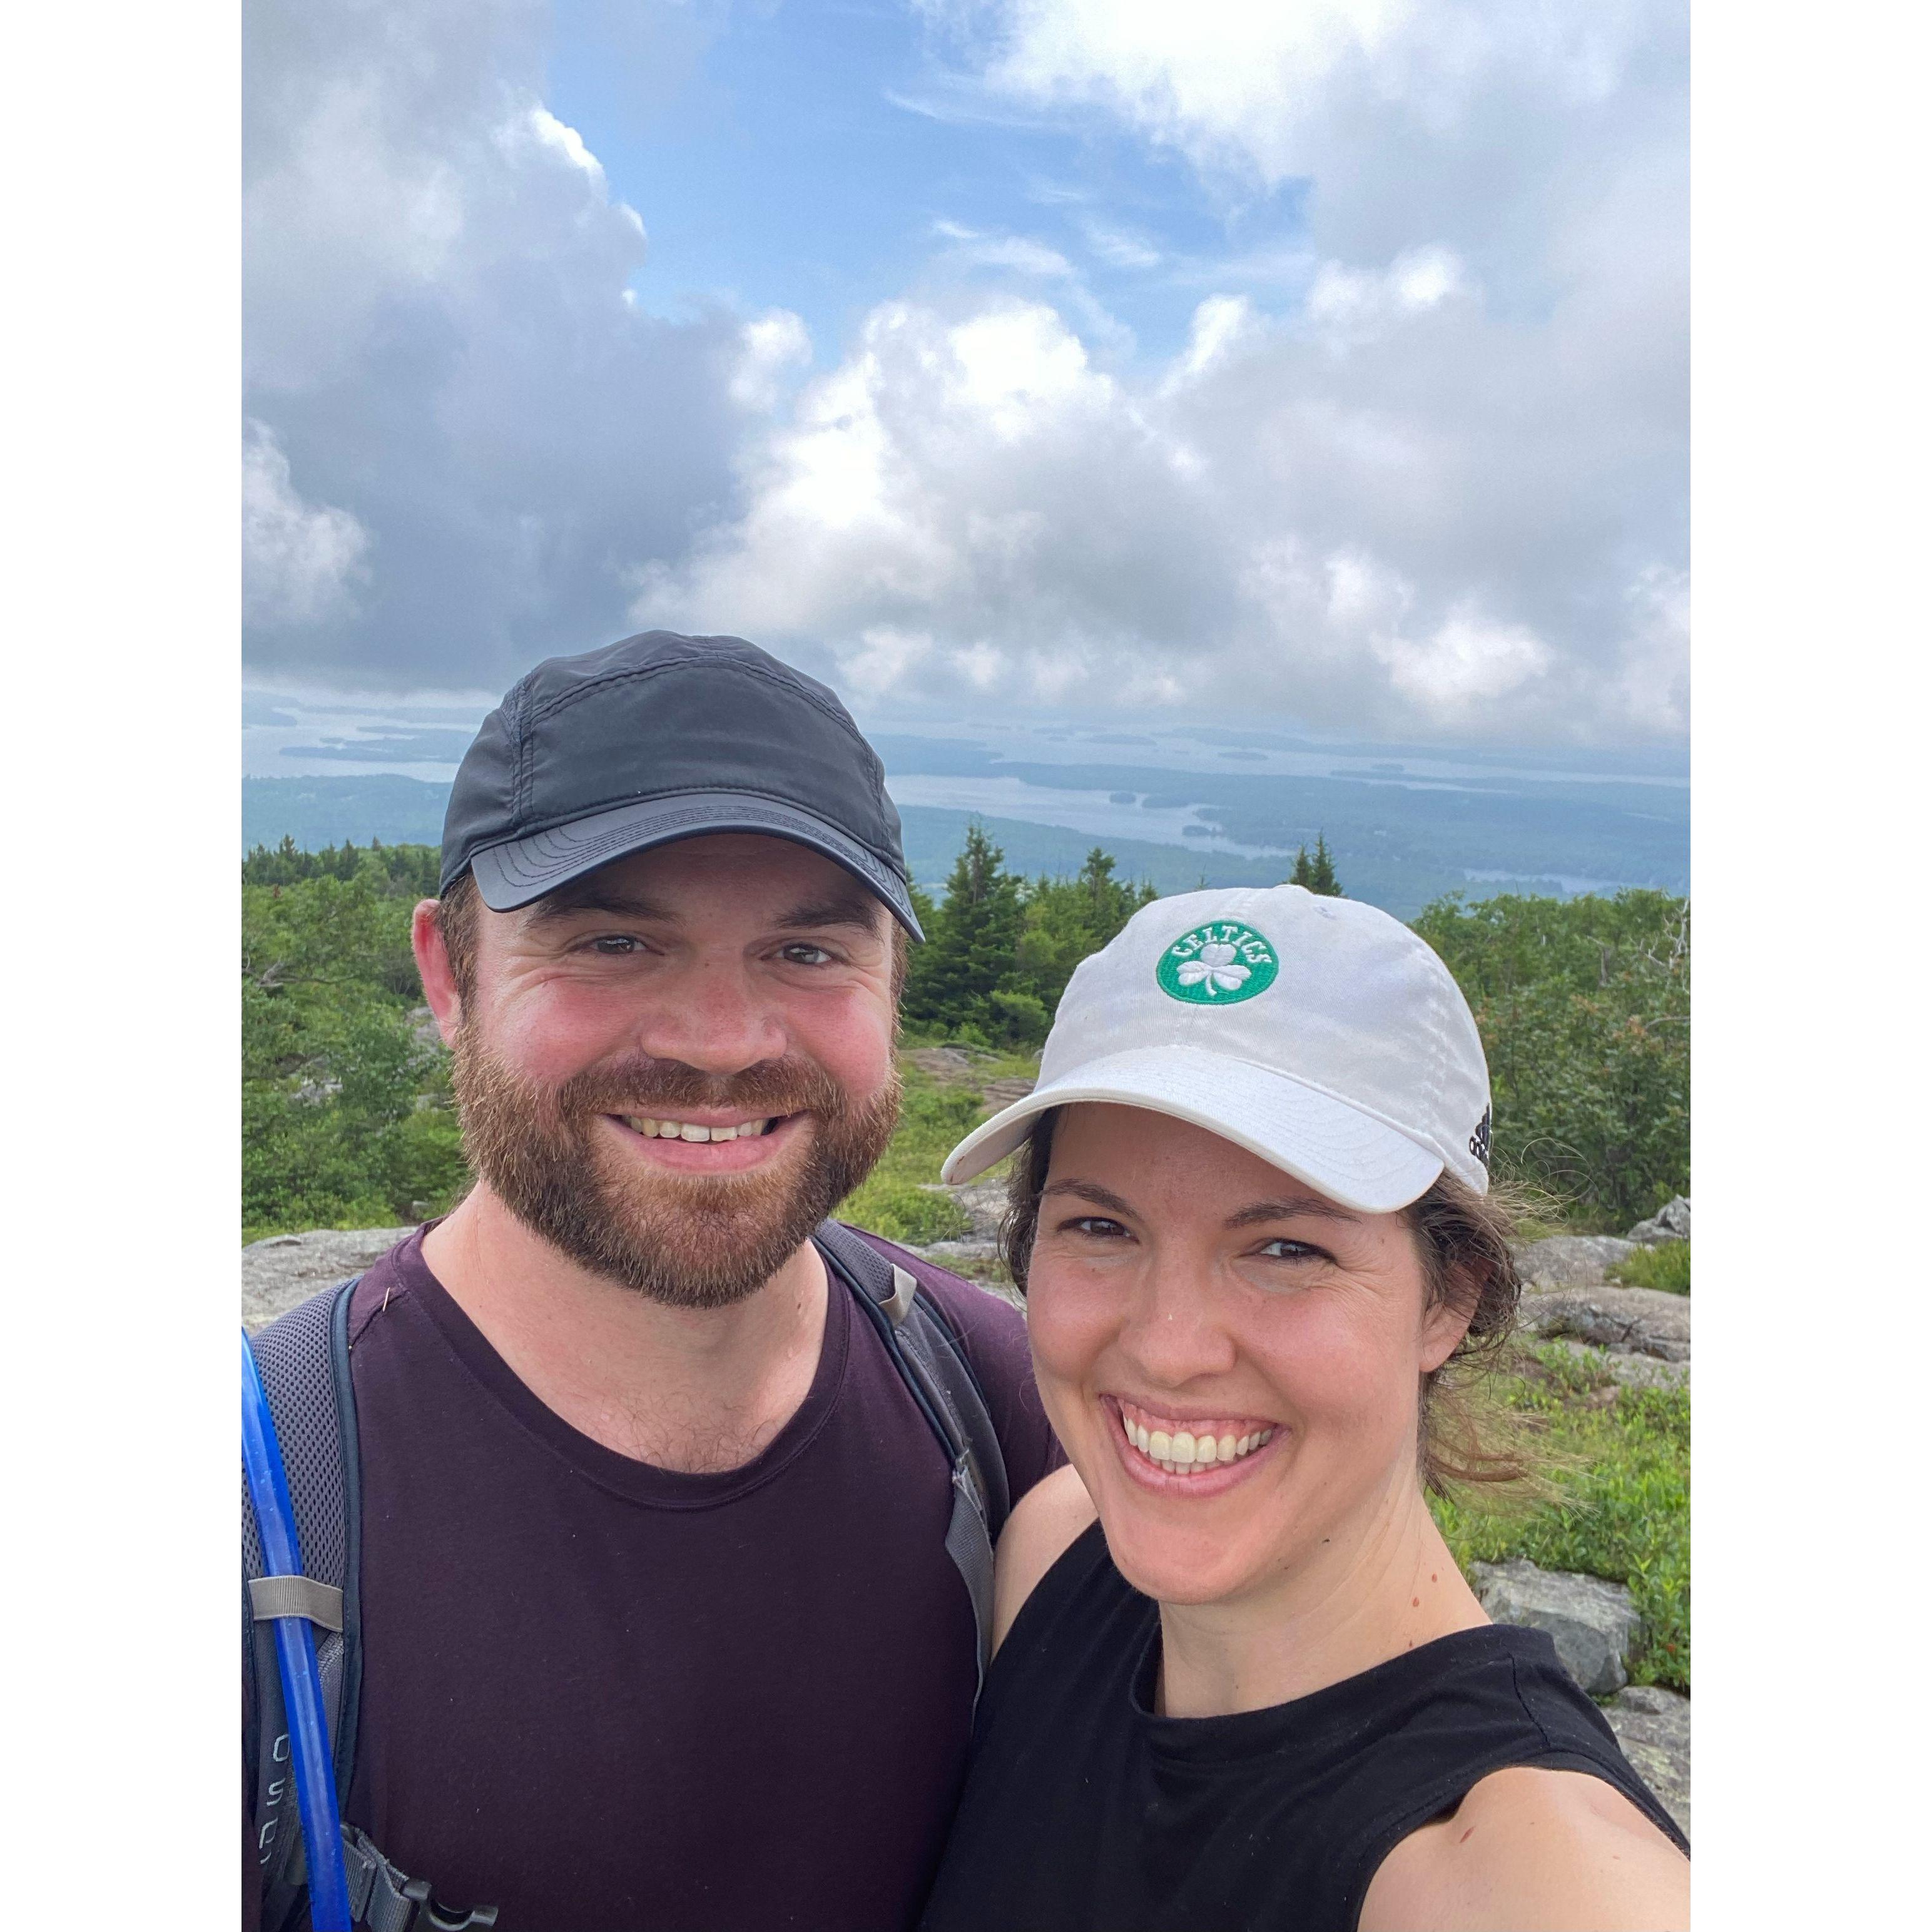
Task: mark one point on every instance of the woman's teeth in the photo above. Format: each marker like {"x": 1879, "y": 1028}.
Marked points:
{"x": 1180, "y": 1452}
{"x": 687, "y": 1130}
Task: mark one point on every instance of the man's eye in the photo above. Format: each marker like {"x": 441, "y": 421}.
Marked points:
{"x": 614, "y": 944}
{"x": 806, "y": 956}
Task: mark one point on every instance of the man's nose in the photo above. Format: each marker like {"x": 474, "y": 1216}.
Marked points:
{"x": 1172, "y": 1331}
{"x": 712, "y": 1016}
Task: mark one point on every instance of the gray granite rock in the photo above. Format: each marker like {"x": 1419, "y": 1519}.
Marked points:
{"x": 1653, "y": 1725}
{"x": 422, "y": 1025}
{"x": 1592, "y": 1623}
{"x": 978, "y": 1262}
{"x": 984, "y": 1202}
{"x": 950, "y": 1064}
{"x": 1571, "y": 1260}
{"x": 1671, "y": 1222}
{"x": 1004, "y": 1092}
{"x": 1631, "y": 1371}
{"x": 286, "y": 1269}
{"x": 1636, "y": 1321}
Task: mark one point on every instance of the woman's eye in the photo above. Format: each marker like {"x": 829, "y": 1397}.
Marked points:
{"x": 1097, "y": 1225}
{"x": 1282, "y": 1250}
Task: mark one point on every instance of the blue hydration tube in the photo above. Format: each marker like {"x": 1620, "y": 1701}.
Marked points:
{"x": 295, "y": 1650}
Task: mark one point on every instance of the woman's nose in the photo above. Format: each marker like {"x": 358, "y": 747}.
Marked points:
{"x": 1172, "y": 1332}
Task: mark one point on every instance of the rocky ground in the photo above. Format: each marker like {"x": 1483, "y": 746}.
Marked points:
{"x": 1637, "y": 1336}
{"x": 287, "y": 1269}
{"x": 1641, "y": 1336}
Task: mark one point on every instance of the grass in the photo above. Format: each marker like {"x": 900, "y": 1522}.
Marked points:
{"x": 893, "y": 1201}
{"x": 1622, "y": 1462}
{"x": 1666, "y": 1266}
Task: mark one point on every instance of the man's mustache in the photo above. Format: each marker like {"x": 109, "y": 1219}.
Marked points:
{"x": 645, "y": 1085}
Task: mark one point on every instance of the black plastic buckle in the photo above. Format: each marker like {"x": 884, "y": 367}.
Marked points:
{"x": 382, "y": 1899}
{"x": 431, "y": 1917}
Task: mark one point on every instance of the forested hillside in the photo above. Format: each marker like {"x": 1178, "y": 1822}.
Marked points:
{"x": 345, "y": 1118}
{"x": 1584, "y": 1006}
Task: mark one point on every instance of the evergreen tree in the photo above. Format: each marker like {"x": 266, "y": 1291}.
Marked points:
{"x": 1065, "y": 920}
{"x": 972, "y": 941}
{"x": 1321, "y": 872}
{"x": 1303, "y": 873}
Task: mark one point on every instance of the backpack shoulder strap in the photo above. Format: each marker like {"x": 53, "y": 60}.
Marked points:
{"x": 931, "y": 1360}
{"x": 303, "y": 1356}
{"x": 930, "y": 1337}
{"x": 304, "y": 1360}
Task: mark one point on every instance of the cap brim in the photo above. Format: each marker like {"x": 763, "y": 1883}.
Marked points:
{"x": 1350, "y": 1156}
{"x": 520, "y": 870}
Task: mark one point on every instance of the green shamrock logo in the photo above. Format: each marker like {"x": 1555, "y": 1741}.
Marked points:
{"x": 1217, "y": 964}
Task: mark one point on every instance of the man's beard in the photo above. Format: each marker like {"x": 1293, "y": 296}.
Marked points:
{"x": 691, "y": 1240}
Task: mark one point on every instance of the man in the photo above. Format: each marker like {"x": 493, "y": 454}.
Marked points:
{"x": 658, "y": 1625}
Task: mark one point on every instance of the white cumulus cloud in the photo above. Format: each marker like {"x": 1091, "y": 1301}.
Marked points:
{"x": 1429, "y": 472}
{"x": 300, "y": 561}
{"x": 1418, "y": 462}
{"x": 441, "y": 346}
{"x": 772, "y": 347}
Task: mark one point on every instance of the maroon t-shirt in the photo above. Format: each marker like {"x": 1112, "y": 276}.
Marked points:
{"x": 602, "y": 1695}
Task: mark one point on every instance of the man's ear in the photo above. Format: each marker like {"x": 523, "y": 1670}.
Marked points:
{"x": 1445, "y": 1325}
{"x": 432, "y": 963}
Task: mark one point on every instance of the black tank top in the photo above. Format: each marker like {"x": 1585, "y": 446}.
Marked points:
{"x": 1083, "y": 1809}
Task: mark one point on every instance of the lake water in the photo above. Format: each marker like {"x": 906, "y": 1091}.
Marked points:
{"x": 312, "y": 736}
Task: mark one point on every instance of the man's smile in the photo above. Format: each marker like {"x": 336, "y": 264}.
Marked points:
{"x": 722, "y": 1144}
{"x": 694, "y": 1130}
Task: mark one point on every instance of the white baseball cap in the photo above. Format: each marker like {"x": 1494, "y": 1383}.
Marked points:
{"x": 1319, "y": 1033}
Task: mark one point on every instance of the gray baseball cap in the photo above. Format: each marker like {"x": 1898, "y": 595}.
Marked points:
{"x": 662, "y": 737}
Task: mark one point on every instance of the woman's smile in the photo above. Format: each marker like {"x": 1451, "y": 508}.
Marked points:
{"x": 1196, "y": 1457}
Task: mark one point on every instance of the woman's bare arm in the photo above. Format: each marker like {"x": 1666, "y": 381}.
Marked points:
{"x": 1045, "y": 1521}
{"x": 1559, "y": 1850}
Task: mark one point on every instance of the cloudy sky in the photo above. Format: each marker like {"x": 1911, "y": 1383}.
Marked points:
{"x": 1321, "y": 361}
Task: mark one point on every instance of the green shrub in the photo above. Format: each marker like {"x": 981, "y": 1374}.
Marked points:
{"x": 1584, "y": 1007}
{"x": 1624, "y": 1513}
{"x": 1666, "y": 1266}
{"x": 345, "y": 1119}
{"x": 1017, "y": 1019}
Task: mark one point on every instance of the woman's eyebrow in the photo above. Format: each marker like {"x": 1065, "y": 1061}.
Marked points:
{"x": 1090, "y": 1191}
{"x": 1312, "y": 1207}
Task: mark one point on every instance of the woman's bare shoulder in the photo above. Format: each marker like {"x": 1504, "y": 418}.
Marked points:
{"x": 1045, "y": 1521}
{"x": 1558, "y": 1849}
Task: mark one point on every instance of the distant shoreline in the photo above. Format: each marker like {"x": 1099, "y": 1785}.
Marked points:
{"x": 1432, "y": 843}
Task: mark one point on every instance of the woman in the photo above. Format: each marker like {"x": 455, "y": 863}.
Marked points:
{"x": 1248, "y": 1212}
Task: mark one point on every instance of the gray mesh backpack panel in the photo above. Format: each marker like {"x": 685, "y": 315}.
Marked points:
{"x": 304, "y": 1360}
